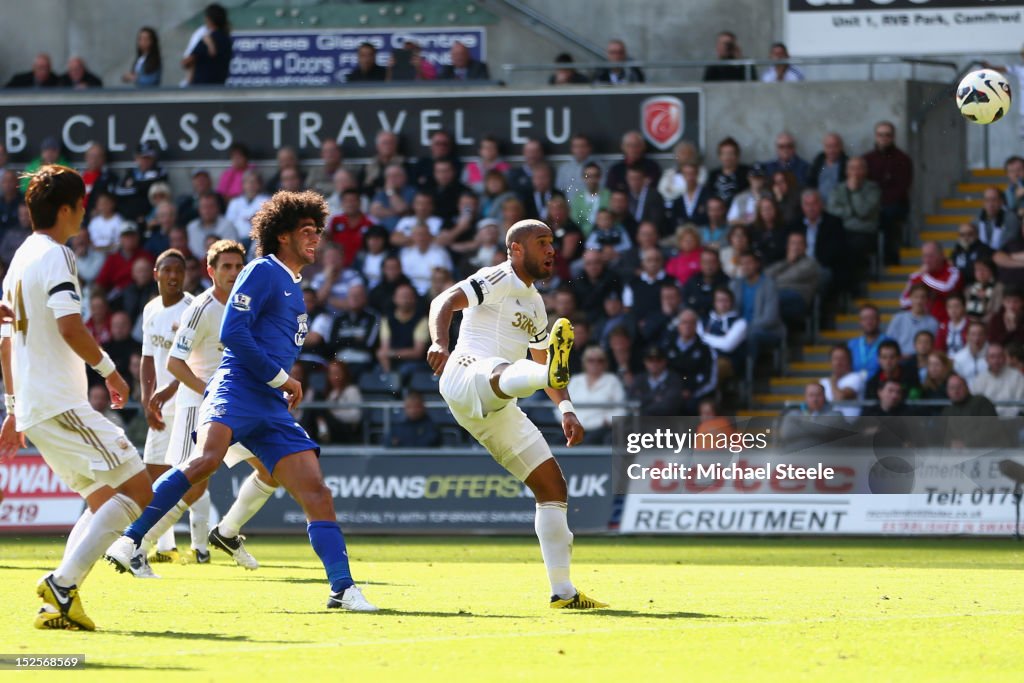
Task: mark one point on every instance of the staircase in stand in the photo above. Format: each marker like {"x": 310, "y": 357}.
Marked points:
{"x": 812, "y": 362}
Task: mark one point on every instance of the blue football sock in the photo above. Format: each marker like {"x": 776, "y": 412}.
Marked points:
{"x": 167, "y": 491}
{"x": 329, "y": 545}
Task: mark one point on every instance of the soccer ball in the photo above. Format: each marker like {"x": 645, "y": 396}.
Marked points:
{"x": 983, "y": 96}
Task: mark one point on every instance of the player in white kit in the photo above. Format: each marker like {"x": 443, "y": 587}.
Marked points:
{"x": 503, "y": 317}
{"x": 43, "y": 352}
{"x": 160, "y": 320}
{"x": 194, "y": 356}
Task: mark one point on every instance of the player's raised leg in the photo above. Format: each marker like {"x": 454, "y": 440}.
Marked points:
{"x": 213, "y": 442}
{"x": 504, "y": 318}
{"x": 300, "y": 474}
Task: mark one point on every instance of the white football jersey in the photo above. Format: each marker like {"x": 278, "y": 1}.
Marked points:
{"x": 41, "y": 286}
{"x": 198, "y": 341}
{"x": 504, "y": 317}
{"x": 159, "y": 326}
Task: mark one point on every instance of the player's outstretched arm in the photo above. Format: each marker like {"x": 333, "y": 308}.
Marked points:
{"x": 571, "y": 426}
{"x": 442, "y": 308}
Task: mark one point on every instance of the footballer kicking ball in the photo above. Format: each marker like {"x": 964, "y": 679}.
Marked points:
{"x": 983, "y": 96}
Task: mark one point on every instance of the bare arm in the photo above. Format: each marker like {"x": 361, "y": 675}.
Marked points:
{"x": 77, "y": 336}
{"x": 147, "y": 378}
{"x": 180, "y": 370}
{"x": 439, "y": 322}
{"x": 10, "y": 439}
{"x": 571, "y": 426}
{"x": 1004, "y": 260}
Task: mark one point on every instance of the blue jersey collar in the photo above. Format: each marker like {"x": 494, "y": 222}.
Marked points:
{"x": 295, "y": 278}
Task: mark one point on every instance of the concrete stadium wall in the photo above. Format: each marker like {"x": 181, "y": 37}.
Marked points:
{"x": 670, "y": 29}
{"x": 101, "y": 31}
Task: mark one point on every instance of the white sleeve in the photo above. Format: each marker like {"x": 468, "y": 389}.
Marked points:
{"x": 488, "y": 285}
{"x": 147, "y": 340}
{"x": 62, "y": 294}
{"x": 322, "y": 325}
{"x": 540, "y": 342}
{"x": 727, "y": 342}
{"x": 627, "y": 296}
{"x": 190, "y": 331}
{"x": 853, "y": 380}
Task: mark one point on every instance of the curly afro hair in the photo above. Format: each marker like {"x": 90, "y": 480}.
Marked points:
{"x": 281, "y": 215}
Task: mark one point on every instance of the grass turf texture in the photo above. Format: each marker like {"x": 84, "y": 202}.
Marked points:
{"x": 475, "y": 609}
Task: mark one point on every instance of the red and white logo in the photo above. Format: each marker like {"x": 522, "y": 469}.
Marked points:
{"x": 662, "y": 120}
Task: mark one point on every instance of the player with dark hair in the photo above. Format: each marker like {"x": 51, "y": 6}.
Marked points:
{"x": 193, "y": 359}
{"x": 503, "y": 316}
{"x": 265, "y": 325}
{"x": 160, "y": 319}
{"x": 44, "y": 342}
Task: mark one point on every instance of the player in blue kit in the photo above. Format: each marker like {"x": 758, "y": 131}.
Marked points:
{"x": 265, "y": 325}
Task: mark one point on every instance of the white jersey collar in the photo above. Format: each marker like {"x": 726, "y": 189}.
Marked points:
{"x": 512, "y": 272}
{"x": 295, "y": 278}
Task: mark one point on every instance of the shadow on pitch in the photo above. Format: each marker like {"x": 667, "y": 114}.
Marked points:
{"x": 92, "y": 666}
{"x": 638, "y": 614}
{"x": 411, "y": 613}
{"x": 180, "y": 635}
{"x": 319, "y": 580}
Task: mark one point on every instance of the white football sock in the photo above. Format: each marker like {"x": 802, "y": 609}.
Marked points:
{"x": 552, "y": 526}
{"x": 252, "y": 496}
{"x": 523, "y": 378}
{"x": 199, "y": 521}
{"x": 75, "y": 537}
{"x": 164, "y": 527}
{"x": 166, "y": 541}
{"x": 77, "y": 531}
{"x": 106, "y": 525}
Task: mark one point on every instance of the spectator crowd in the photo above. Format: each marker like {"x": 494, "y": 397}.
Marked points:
{"x": 679, "y": 281}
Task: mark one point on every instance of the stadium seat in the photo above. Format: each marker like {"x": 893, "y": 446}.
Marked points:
{"x": 452, "y": 434}
{"x": 380, "y": 385}
{"x": 424, "y": 383}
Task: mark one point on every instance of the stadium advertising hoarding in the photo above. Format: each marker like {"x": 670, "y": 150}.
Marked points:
{"x": 903, "y": 27}
{"x": 801, "y": 475}
{"x": 199, "y": 128}
{"x": 325, "y": 56}
{"x": 35, "y": 498}
{"x": 420, "y": 492}
{"x": 431, "y": 492}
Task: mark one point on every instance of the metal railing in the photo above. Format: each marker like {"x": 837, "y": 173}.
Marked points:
{"x": 390, "y": 410}
{"x": 913, "y": 403}
{"x": 872, "y": 63}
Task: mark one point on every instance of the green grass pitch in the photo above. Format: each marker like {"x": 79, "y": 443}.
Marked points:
{"x": 475, "y": 609}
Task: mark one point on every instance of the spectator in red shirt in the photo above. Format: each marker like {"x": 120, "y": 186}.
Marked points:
{"x": 99, "y": 319}
{"x": 892, "y": 169}
{"x": 347, "y": 227}
{"x": 939, "y": 276}
{"x": 116, "y": 273}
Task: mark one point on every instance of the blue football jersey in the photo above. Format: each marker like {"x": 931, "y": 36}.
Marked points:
{"x": 265, "y": 324}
